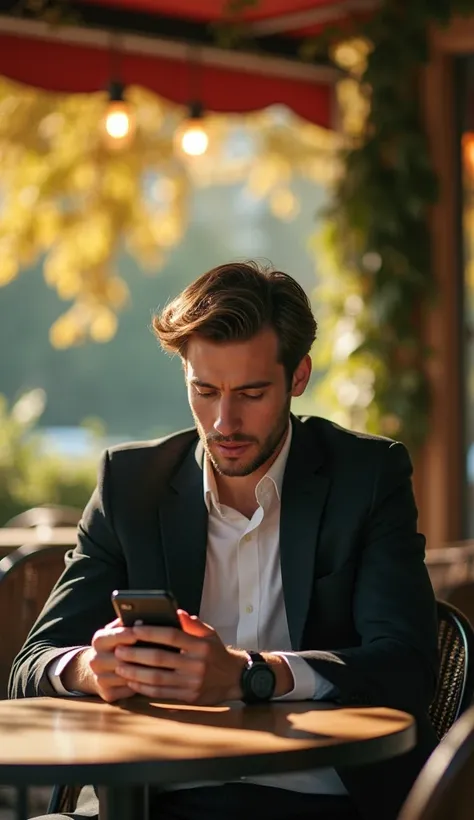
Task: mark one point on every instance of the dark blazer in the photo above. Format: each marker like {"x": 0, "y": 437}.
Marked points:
{"x": 359, "y": 602}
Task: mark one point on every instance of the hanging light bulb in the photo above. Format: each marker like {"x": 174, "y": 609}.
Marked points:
{"x": 119, "y": 121}
{"x": 191, "y": 137}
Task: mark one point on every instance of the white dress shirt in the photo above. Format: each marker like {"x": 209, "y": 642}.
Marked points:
{"x": 242, "y": 599}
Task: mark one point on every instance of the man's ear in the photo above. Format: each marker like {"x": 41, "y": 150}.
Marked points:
{"x": 301, "y": 376}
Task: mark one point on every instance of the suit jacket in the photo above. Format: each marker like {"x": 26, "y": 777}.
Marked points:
{"x": 359, "y": 602}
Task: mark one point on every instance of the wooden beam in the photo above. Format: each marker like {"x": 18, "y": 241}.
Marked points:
{"x": 438, "y": 475}
{"x": 457, "y": 38}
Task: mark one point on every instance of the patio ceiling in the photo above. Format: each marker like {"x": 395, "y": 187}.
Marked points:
{"x": 160, "y": 40}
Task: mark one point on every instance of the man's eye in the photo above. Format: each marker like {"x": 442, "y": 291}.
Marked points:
{"x": 205, "y": 395}
{"x": 253, "y": 396}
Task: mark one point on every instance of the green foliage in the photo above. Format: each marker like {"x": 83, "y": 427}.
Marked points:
{"x": 378, "y": 283}
{"x": 30, "y": 477}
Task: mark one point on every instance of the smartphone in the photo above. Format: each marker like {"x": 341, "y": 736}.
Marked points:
{"x": 150, "y": 607}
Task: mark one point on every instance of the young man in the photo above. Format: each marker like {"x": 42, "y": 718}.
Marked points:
{"x": 296, "y": 540}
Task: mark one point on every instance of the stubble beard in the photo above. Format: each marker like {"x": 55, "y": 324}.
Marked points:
{"x": 270, "y": 445}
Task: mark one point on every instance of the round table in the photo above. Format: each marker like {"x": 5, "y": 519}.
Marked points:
{"x": 135, "y": 741}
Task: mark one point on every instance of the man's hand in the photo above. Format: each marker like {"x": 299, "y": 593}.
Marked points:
{"x": 204, "y": 671}
{"x": 93, "y": 671}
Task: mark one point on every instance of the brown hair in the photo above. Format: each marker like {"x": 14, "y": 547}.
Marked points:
{"x": 233, "y": 302}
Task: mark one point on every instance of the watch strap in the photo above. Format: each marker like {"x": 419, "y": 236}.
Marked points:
{"x": 256, "y": 657}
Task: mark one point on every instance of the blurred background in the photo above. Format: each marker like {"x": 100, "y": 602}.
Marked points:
{"x": 142, "y": 143}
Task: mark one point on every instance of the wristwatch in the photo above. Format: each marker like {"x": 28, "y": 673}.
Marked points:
{"x": 258, "y": 679}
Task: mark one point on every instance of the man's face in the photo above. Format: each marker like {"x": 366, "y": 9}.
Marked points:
{"x": 240, "y": 400}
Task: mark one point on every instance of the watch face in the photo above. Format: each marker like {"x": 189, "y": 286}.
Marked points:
{"x": 262, "y": 682}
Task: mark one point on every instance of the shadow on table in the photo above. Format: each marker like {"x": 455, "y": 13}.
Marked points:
{"x": 281, "y": 719}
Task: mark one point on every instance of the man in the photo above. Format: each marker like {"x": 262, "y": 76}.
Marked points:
{"x": 296, "y": 540}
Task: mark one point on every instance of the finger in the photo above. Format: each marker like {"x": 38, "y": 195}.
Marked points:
{"x": 117, "y": 693}
{"x": 155, "y": 677}
{"x": 182, "y": 662}
{"x": 105, "y": 640}
{"x": 166, "y": 693}
{"x": 193, "y": 626}
{"x": 165, "y": 635}
{"x": 110, "y": 680}
{"x": 114, "y": 623}
{"x": 103, "y": 662}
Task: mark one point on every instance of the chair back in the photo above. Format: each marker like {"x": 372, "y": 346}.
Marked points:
{"x": 462, "y": 597}
{"x": 443, "y": 789}
{"x": 27, "y": 576}
{"x": 50, "y": 515}
{"x": 455, "y": 688}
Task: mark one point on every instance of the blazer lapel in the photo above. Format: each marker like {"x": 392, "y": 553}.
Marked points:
{"x": 304, "y": 495}
{"x": 183, "y": 526}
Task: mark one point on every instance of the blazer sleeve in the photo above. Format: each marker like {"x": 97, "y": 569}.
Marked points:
{"x": 79, "y": 603}
{"x": 394, "y": 607}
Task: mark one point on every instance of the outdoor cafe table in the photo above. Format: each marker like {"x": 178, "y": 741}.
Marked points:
{"x": 139, "y": 742}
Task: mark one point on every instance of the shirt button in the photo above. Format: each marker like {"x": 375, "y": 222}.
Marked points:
{"x": 249, "y": 609}
{"x": 247, "y": 538}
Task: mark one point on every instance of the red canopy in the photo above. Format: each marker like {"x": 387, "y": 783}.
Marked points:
{"x": 77, "y": 58}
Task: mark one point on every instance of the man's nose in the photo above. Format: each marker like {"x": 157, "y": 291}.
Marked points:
{"x": 228, "y": 421}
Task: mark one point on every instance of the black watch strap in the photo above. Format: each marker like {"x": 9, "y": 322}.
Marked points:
{"x": 256, "y": 657}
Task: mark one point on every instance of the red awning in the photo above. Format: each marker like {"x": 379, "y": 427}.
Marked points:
{"x": 268, "y": 16}
{"x": 212, "y": 10}
{"x": 67, "y": 67}
{"x": 75, "y": 59}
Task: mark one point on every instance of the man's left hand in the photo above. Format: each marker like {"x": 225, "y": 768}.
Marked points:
{"x": 204, "y": 672}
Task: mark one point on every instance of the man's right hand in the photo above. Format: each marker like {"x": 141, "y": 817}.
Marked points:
{"x": 92, "y": 671}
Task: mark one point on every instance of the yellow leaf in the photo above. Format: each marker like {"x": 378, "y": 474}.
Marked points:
{"x": 8, "y": 269}
{"x": 284, "y": 204}
{"x": 65, "y": 332}
{"x": 104, "y": 326}
{"x": 48, "y": 223}
{"x": 116, "y": 291}
{"x": 84, "y": 177}
{"x": 69, "y": 285}
{"x": 168, "y": 230}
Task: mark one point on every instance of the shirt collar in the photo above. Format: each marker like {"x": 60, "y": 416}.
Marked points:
{"x": 273, "y": 477}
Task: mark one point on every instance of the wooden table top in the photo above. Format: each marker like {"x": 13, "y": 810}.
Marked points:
{"x": 84, "y": 740}
{"x": 13, "y": 537}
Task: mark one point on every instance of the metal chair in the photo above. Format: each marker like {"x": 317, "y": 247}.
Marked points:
{"x": 49, "y": 515}
{"x": 444, "y": 787}
{"x": 455, "y": 689}
{"x": 27, "y": 576}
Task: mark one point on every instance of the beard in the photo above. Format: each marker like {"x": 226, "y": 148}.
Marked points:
{"x": 266, "y": 449}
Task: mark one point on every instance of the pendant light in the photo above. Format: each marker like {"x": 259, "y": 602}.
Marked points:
{"x": 119, "y": 119}
{"x": 191, "y": 137}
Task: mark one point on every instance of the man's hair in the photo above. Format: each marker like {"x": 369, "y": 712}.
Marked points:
{"x": 234, "y": 302}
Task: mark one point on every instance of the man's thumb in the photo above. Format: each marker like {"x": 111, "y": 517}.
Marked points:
{"x": 193, "y": 626}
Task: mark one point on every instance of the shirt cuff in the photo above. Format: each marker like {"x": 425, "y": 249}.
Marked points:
{"x": 307, "y": 683}
{"x": 55, "y": 669}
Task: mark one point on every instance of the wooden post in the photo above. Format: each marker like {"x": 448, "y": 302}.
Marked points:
{"x": 439, "y": 469}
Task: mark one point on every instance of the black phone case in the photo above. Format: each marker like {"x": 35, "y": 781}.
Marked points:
{"x": 153, "y": 608}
